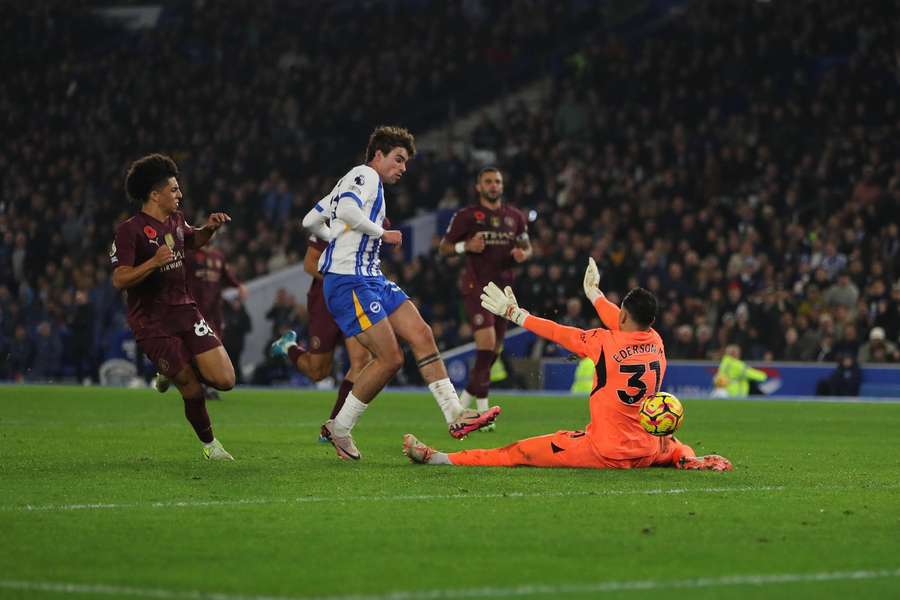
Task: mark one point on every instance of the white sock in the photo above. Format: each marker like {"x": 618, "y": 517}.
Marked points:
{"x": 482, "y": 404}
{"x": 465, "y": 399}
{"x": 445, "y": 394}
{"x": 439, "y": 458}
{"x": 349, "y": 414}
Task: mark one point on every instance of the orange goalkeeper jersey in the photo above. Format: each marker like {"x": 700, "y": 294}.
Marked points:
{"x": 629, "y": 366}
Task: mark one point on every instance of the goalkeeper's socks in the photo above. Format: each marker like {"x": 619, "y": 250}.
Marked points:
{"x": 439, "y": 458}
{"x": 348, "y": 415}
{"x": 445, "y": 395}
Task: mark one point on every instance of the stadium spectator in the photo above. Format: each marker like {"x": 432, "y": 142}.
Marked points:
{"x": 878, "y": 349}
{"x": 844, "y": 381}
{"x": 237, "y": 325}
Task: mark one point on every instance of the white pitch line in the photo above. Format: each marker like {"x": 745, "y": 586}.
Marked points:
{"x": 479, "y": 592}
{"x": 384, "y": 498}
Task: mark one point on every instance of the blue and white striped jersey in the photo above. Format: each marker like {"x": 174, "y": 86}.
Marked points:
{"x": 352, "y": 252}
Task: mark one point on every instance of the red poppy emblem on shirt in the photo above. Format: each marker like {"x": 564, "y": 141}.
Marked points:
{"x": 479, "y": 216}
{"x": 149, "y": 232}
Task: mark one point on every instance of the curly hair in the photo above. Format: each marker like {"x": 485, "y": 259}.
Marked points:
{"x": 147, "y": 174}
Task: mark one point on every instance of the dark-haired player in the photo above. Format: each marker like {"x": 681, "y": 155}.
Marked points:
{"x": 631, "y": 363}
{"x": 365, "y": 305}
{"x": 493, "y": 236}
{"x": 148, "y": 262}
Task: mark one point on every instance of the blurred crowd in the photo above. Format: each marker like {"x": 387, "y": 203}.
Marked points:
{"x": 739, "y": 159}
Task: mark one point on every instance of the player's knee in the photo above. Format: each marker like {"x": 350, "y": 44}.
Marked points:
{"x": 392, "y": 360}
{"x": 423, "y": 336}
{"x": 223, "y": 381}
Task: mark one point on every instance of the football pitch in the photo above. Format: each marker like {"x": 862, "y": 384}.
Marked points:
{"x": 104, "y": 494}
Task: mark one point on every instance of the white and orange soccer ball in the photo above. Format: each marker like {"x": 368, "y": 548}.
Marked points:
{"x": 661, "y": 414}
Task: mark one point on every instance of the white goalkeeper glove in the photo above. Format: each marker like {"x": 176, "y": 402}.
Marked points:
{"x": 592, "y": 281}
{"x": 502, "y": 303}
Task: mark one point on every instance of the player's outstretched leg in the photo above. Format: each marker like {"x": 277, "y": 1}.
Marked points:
{"x": 422, "y": 454}
{"x": 410, "y": 326}
{"x": 561, "y": 449}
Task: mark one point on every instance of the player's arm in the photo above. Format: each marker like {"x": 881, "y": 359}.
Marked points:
{"x": 349, "y": 210}
{"x": 202, "y": 235}
{"x": 606, "y": 310}
{"x": 315, "y": 220}
{"x": 311, "y": 261}
{"x": 459, "y": 239}
{"x": 125, "y": 276}
{"x": 503, "y": 303}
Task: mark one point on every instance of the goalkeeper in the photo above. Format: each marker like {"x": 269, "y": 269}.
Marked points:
{"x": 630, "y": 364}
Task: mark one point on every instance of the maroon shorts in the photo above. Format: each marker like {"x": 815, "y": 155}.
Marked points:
{"x": 480, "y": 318}
{"x": 324, "y": 333}
{"x": 182, "y": 336}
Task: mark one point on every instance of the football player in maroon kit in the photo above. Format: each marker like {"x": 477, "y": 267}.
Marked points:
{"x": 493, "y": 236}
{"x": 324, "y": 336}
{"x": 148, "y": 262}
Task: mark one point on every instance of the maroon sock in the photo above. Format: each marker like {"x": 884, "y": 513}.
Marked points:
{"x": 195, "y": 411}
{"x": 480, "y": 377}
{"x": 295, "y": 352}
{"x": 346, "y": 386}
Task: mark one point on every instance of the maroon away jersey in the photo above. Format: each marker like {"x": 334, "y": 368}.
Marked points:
{"x": 207, "y": 276}
{"x": 502, "y": 229}
{"x": 165, "y": 289}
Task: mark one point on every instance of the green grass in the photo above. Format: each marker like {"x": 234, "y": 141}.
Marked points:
{"x": 816, "y": 490}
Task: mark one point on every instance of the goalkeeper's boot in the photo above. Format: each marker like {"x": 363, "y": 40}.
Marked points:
{"x": 279, "y": 348}
{"x": 472, "y": 420}
{"x": 161, "y": 383}
{"x": 215, "y": 451}
{"x": 343, "y": 444}
{"x": 416, "y": 450}
{"x": 324, "y": 435}
{"x": 710, "y": 462}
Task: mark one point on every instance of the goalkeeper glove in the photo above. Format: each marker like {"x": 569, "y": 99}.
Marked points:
{"x": 592, "y": 281}
{"x": 502, "y": 303}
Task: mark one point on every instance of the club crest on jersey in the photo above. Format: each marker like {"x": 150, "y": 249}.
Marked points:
{"x": 360, "y": 179}
{"x": 179, "y": 233}
{"x": 150, "y": 233}
{"x": 509, "y": 221}
{"x": 163, "y": 365}
{"x": 375, "y": 307}
{"x": 315, "y": 343}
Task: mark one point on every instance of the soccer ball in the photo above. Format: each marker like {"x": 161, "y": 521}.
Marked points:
{"x": 661, "y": 414}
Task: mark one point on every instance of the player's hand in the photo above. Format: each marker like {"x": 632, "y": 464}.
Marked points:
{"x": 502, "y": 303}
{"x": 592, "y": 281}
{"x": 163, "y": 256}
{"x": 518, "y": 255}
{"x": 393, "y": 236}
{"x": 475, "y": 243}
{"x": 216, "y": 220}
